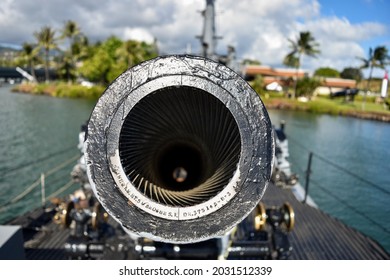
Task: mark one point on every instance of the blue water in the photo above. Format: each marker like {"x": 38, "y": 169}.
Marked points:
{"x": 350, "y": 176}
{"x": 33, "y": 127}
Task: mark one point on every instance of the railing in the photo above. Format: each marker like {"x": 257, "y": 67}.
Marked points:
{"x": 312, "y": 157}
{"x": 56, "y": 172}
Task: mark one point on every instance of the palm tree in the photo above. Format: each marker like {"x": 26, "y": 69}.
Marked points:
{"x": 134, "y": 52}
{"x": 70, "y": 31}
{"x": 30, "y": 54}
{"x": 46, "y": 41}
{"x": 376, "y": 58}
{"x": 304, "y": 44}
{"x": 80, "y": 47}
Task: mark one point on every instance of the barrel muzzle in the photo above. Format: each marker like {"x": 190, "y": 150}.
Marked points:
{"x": 179, "y": 149}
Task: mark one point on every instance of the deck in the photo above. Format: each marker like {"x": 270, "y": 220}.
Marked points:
{"x": 316, "y": 235}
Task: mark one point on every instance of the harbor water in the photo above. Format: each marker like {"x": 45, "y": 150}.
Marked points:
{"x": 350, "y": 169}
{"x": 38, "y": 134}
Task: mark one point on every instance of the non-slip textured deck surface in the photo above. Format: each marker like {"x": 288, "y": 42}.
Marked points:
{"x": 44, "y": 240}
{"x": 315, "y": 236}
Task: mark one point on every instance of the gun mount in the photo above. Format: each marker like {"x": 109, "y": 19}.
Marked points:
{"x": 179, "y": 149}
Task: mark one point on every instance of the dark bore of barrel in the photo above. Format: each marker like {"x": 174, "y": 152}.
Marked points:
{"x": 180, "y": 146}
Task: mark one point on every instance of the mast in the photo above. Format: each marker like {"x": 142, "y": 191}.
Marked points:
{"x": 208, "y": 39}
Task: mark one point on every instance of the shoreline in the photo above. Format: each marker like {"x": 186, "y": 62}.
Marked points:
{"x": 64, "y": 90}
{"x": 60, "y": 90}
{"x": 293, "y": 105}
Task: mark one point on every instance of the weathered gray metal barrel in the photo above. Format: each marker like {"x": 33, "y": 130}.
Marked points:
{"x": 179, "y": 149}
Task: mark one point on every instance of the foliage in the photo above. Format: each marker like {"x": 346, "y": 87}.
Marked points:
{"x": 7, "y": 57}
{"x": 112, "y": 57}
{"x": 96, "y": 68}
{"x": 306, "y": 86}
{"x": 304, "y": 44}
{"x": 327, "y": 72}
{"x": 258, "y": 84}
{"x": 352, "y": 73}
{"x": 374, "y": 86}
{"x": 248, "y": 61}
{"x": 46, "y": 41}
{"x": 291, "y": 60}
{"x": 100, "y": 67}
{"x": 78, "y": 91}
{"x": 28, "y": 57}
{"x": 99, "y": 63}
{"x": 134, "y": 52}
{"x": 80, "y": 48}
{"x": 377, "y": 58}
{"x": 70, "y": 31}
{"x": 67, "y": 68}
{"x": 61, "y": 89}
{"x": 325, "y": 105}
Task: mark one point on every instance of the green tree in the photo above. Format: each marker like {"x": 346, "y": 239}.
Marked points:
{"x": 352, "y": 73}
{"x": 102, "y": 62}
{"x": 248, "y": 61}
{"x": 46, "y": 41}
{"x": 304, "y": 44}
{"x": 80, "y": 48}
{"x": 70, "y": 31}
{"x": 131, "y": 53}
{"x": 135, "y": 52}
{"x": 377, "y": 58}
{"x": 95, "y": 69}
{"x": 306, "y": 86}
{"x": 327, "y": 72}
{"x": 29, "y": 54}
{"x": 66, "y": 67}
{"x": 112, "y": 57}
{"x": 258, "y": 84}
{"x": 291, "y": 60}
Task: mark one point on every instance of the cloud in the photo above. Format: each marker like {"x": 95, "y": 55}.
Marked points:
{"x": 342, "y": 29}
{"x": 340, "y": 41}
{"x": 138, "y": 34}
{"x": 257, "y": 29}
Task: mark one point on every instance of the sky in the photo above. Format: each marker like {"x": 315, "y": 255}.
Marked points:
{"x": 258, "y": 29}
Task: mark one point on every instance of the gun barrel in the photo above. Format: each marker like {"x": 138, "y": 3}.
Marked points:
{"x": 179, "y": 149}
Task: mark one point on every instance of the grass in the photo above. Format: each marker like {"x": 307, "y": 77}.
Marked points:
{"x": 61, "y": 89}
{"x": 272, "y": 100}
{"x": 325, "y": 105}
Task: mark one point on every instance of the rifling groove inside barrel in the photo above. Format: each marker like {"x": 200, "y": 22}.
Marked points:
{"x": 179, "y": 146}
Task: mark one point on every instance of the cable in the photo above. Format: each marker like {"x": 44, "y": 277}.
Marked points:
{"x": 342, "y": 168}
{"x": 297, "y": 143}
{"x": 26, "y": 191}
{"x": 6, "y": 172}
{"x": 349, "y": 206}
{"x": 37, "y": 183}
{"x": 296, "y": 166}
{"x": 62, "y": 189}
{"x": 62, "y": 165}
{"x": 352, "y": 174}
